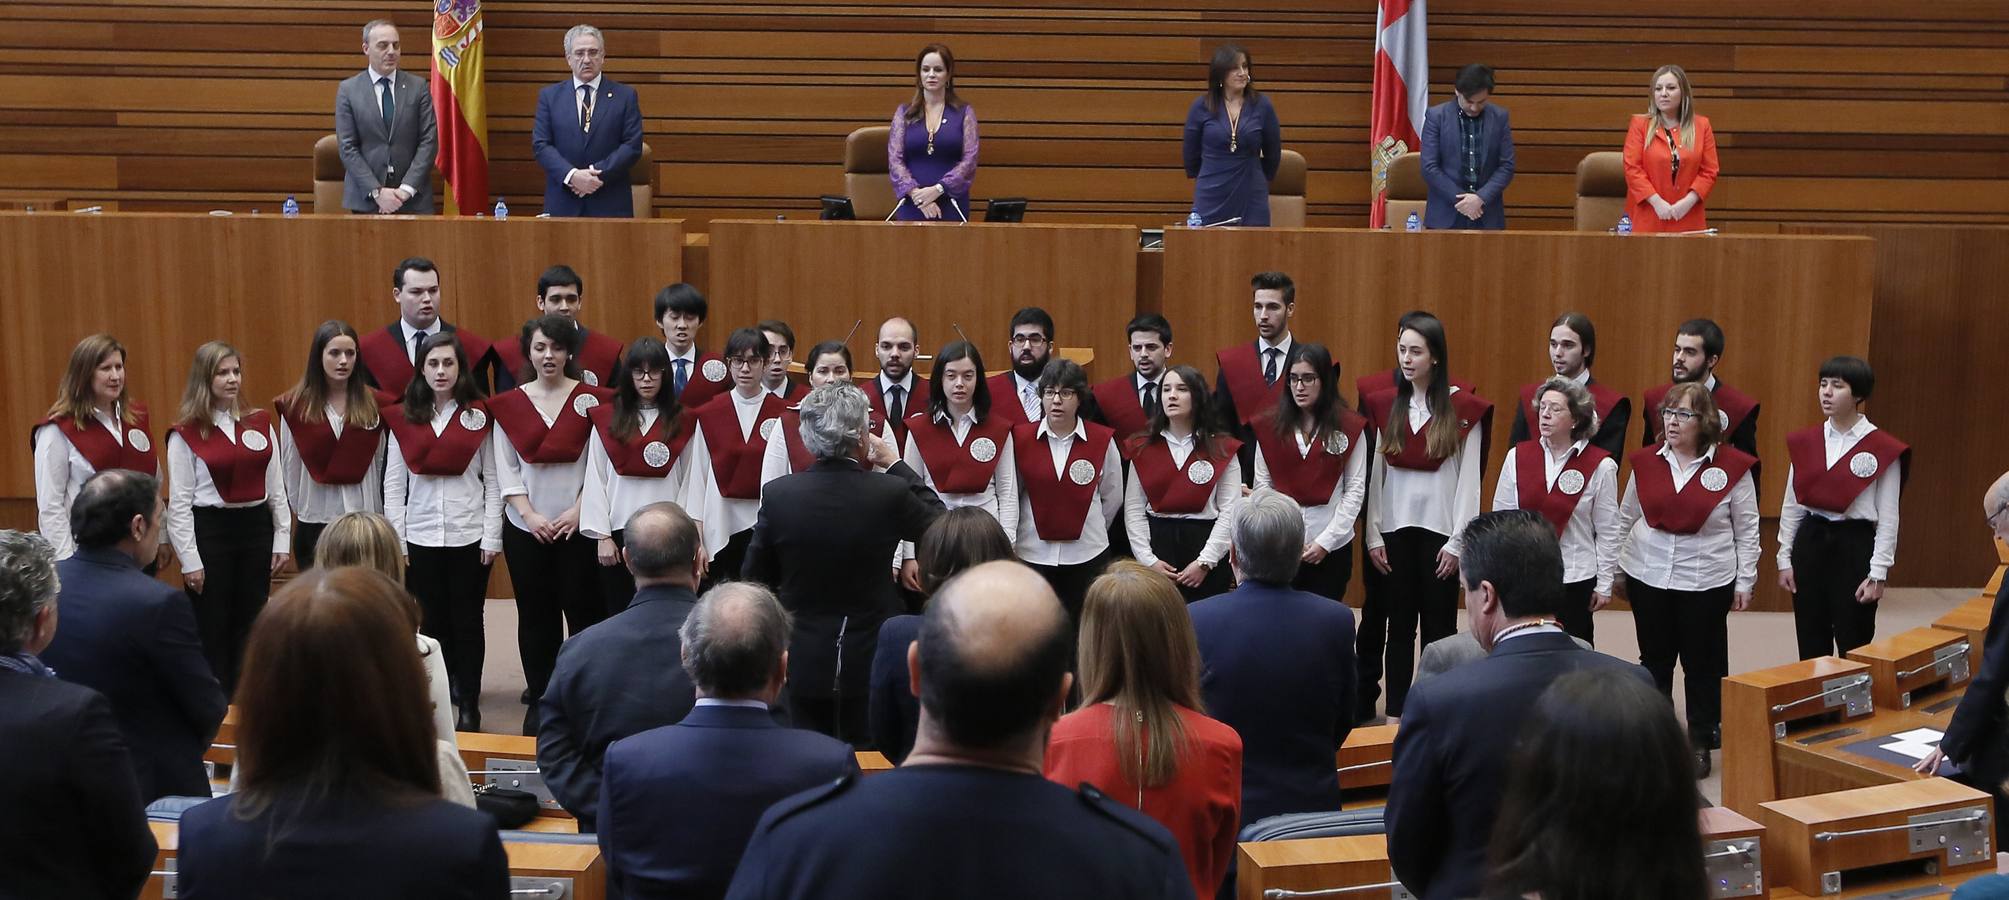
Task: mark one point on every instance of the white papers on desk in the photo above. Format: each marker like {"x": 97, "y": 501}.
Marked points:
{"x": 1917, "y": 743}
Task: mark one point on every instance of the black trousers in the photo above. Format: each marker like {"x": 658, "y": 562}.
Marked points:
{"x": 1329, "y": 577}
{"x": 728, "y": 563}
{"x": 1691, "y": 627}
{"x": 1071, "y": 582}
{"x": 1177, "y": 543}
{"x": 1412, "y": 595}
{"x": 306, "y": 537}
{"x": 236, "y": 549}
{"x": 1830, "y": 560}
{"x": 451, "y": 586}
{"x": 1575, "y": 615}
{"x": 557, "y": 592}
{"x": 1367, "y": 653}
{"x": 617, "y": 584}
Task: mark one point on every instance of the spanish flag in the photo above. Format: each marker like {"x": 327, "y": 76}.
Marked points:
{"x": 460, "y": 104}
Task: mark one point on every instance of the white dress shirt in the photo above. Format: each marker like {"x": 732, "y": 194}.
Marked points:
{"x": 190, "y": 486}
{"x": 608, "y": 497}
{"x": 318, "y": 503}
{"x": 579, "y": 108}
{"x": 1103, "y": 505}
{"x": 552, "y": 488}
{"x": 1220, "y": 506}
{"x": 377, "y": 85}
{"x": 1591, "y": 539}
{"x": 445, "y": 510}
{"x": 1877, "y": 503}
{"x": 1028, "y": 397}
{"x": 1440, "y": 501}
{"x": 999, "y": 498}
{"x": 1724, "y": 550}
{"x": 1329, "y": 524}
{"x": 60, "y": 472}
{"x": 1283, "y": 348}
{"x": 724, "y": 516}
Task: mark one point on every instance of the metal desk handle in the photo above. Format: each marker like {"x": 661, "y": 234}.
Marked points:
{"x": 1280, "y": 893}
{"x": 1825, "y": 836}
{"x": 1837, "y": 689}
{"x": 1944, "y": 657}
{"x": 1368, "y": 765}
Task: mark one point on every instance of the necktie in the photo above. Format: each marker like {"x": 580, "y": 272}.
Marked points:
{"x": 1150, "y": 401}
{"x": 896, "y": 403}
{"x": 682, "y": 378}
{"x": 418, "y": 347}
{"x": 586, "y": 107}
{"x": 1030, "y": 400}
{"x": 1270, "y": 365}
{"x": 390, "y": 103}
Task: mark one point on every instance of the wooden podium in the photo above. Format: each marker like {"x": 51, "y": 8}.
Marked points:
{"x": 1812, "y": 843}
{"x": 556, "y": 871}
{"x": 1760, "y": 706}
{"x": 1733, "y": 854}
{"x": 1278, "y": 870}
{"x": 1915, "y": 663}
{"x": 1367, "y": 758}
{"x": 1969, "y": 620}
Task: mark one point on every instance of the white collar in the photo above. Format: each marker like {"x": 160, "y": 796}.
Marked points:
{"x": 689, "y": 356}
{"x": 1575, "y": 448}
{"x": 445, "y": 411}
{"x": 1263, "y": 346}
{"x": 1667, "y": 451}
{"x": 374, "y": 78}
{"x": 755, "y": 400}
{"x": 1170, "y": 438}
{"x": 944, "y": 417}
{"x": 222, "y": 418}
{"x": 1080, "y": 429}
{"x": 1711, "y": 382}
{"x": 1141, "y": 381}
{"x": 1860, "y": 428}
{"x": 404, "y": 327}
{"x": 905, "y": 384}
{"x": 737, "y": 704}
{"x": 1583, "y": 377}
{"x": 577, "y": 84}
{"x": 1023, "y": 383}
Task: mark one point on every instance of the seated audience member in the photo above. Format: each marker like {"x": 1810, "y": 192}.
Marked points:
{"x": 962, "y": 538}
{"x": 727, "y": 758}
{"x": 70, "y": 813}
{"x": 1977, "y": 737}
{"x": 1600, "y": 799}
{"x": 1279, "y": 665}
{"x": 1140, "y": 732}
{"x": 621, "y": 677}
{"x": 132, "y": 638}
{"x": 1450, "y": 768}
{"x": 968, "y": 815}
{"x": 337, "y": 798}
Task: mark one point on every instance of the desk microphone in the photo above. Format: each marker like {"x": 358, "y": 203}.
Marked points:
{"x": 1222, "y": 222}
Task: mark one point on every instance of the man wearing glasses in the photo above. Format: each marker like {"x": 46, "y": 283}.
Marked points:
{"x": 1031, "y": 346}
{"x": 781, "y": 352}
{"x": 899, "y": 391}
{"x": 733, "y": 431}
{"x": 587, "y": 134}
{"x": 1977, "y": 738}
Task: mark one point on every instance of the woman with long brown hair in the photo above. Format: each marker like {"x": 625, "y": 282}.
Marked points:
{"x": 931, "y": 152}
{"x": 1670, "y": 158}
{"x": 1184, "y": 482}
{"x": 1141, "y": 735}
{"x": 331, "y": 439}
{"x": 92, "y": 426}
{"x": 337, "y": 797}
{"x": 226, "y": 505}
{"x": 367, "y": 539}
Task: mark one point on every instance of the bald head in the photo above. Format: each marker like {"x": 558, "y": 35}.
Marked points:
{"x": 733, "y": 641}
{"x": 993, "y": 655}
{"x": 899, "y": 343}
{"x": 1995, "y": 504}
{"x": 661, "y": 545}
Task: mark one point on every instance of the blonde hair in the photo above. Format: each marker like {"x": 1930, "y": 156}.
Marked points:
{"x": 365, "y": 540}
{"x": 1704, "y": 404}
{"x": 1687, "y": 120}
{"x": 75, "y": 397}
{"x": 1138, "y": 654}
{"x": 197, "y": 399}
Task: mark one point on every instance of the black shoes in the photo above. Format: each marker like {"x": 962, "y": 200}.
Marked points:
{"x": 467, "y": 719}
{"x": 1701, "y": 764}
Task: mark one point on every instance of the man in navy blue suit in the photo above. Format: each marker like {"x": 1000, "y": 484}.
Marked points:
{"x": 587, "y": 134}
{"x": 727, "y": 758}
{"x": 1468, "y": 156}
{"x": 132, "y": 638}
{"x": 1277, "y": 665}
{"x": 1458, "y": 728}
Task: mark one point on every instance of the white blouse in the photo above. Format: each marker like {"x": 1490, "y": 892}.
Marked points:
{"x": 445, "y": 510}
{"x": 1441, "y": 501}
{"x": 60, "y": 472}
{"x": 1220, "y": 507}
{"x": 320, "y": 503}
{"x": 1103, "y": 506}
{"x": 1878, "y": 503}
{"x": 609, "y": 497}
{"x": 1000, "y": 498}
{"x": 1591, "y": 539}
{"x": 190, "y": 486}
{"x": 1329, "y": 524}
{"x": 1724, "y": 550}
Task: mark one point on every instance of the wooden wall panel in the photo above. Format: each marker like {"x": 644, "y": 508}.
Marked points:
{"x": 1857, "y": 111}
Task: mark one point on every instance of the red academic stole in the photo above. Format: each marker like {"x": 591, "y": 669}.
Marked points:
{"x": 1531, "y": 481}
{"x": 1604, "y": 399}
{"x": 964, "y": 468}
{"x": 446, "y": 454}
{"x": 1172, "y": 488}
{"x": 598, "y": 357}
{"x": 916, "y": 401}
{"x": 1005, "y": 400}
{"x": 388, "y": 357}
{"x": 560, "y": 442}
{"x": 1116, "y": 399}
{"x": 735, "y": 459}
{"x": 1309, "y": 478}
{"x": 1243, "y": 371}
{"x": 236, "y": 467}
{"x": 1472, "y": 411}
{"x": 799, "y": 457}
{"x": 104, "y": 451}
{"x": 329, "y": 459}
{"x": 1732, "y": 406}
{"x": 1060, "y": 504}
{"x": 1816, "y": 485}
{"x": 650, "y": 453}
{"x": 708, "y": 379}
{"x": 1684, "y": 511}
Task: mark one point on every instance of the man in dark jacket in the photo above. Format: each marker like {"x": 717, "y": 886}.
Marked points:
{"x": 1977, "y": 738}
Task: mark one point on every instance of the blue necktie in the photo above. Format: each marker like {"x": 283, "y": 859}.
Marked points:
{"x": 390, "y": 95}
{"x": 682, "y": 378}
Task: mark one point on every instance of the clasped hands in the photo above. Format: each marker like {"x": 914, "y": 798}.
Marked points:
{"x": 584, "y": 181}
{"x": 1668, "y": 212}
{"x": 927, "y": 200}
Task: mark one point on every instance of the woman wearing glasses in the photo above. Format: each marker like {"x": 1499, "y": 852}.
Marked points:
{"x": 732, "y": 434}
{"x": 1670, "y": 159}
{"x": 1574, "y": 485}
{"x": 1690, "y": 517}
{"x": 1070, "y": 487}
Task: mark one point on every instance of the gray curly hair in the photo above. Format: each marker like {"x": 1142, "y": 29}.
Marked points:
{"x": 833, "y": 420}
{"x": 27, "y": 586}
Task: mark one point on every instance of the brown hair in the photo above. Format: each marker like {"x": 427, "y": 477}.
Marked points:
{"x": 1703, "y": 403}
{"x": 918, "y": 107}
{"x": 962, "y": 538}
{"x": 365, "y": 539}
{"x": 1654, "y": 126}
{"x": 308, "y": 397}
{"x": 1139, "y": 654}
{"x": 1441, "y": 432}
{"x": 74, "y": 396}
{"x": 197, "y": 398}
{"x": 329, "y": 637}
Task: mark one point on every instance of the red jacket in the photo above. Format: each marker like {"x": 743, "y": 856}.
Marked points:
{"x": 1647, "y": 171}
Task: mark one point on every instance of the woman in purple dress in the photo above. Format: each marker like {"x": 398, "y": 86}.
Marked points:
{"x": 1233, "y": 145}
{"x": 932, "y": 153}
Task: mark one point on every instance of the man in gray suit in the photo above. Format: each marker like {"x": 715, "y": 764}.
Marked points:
{"x": 384, "y": 121}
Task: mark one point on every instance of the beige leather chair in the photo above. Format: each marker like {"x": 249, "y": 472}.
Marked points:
{"x": 1287, "y": 200}
{"x": 642, "y": 181}
{"x": 865, "y": 175}
{"x": 1600, "y": 190}
{"x": 328, "y": 174}
{"x": 1406, "y": 192}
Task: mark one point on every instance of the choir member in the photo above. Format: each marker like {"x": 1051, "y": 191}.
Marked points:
{"x": 1250, "y": 378}
{"x": 1698, "y": 349}
{"x": 733, "y": 431}
{"x": 1573, "y": 483}
{"x": 389, "y": 355}
{"x": 898, "y": 391}
{"x": 961, "y": 448}
{"x": 781, "y": 352}
{"x": 1069, "y": 493}
{"x": 92, "y": 426}
{"x": 1184, "y": 482}
{"x": 1315, "y": 449}
{"x": 1126, "y": 403}
{"x": 331, "y": 440}
{"x": 226, "y": 506}
{"x": 1031, "y": 348}
{"x": 634, "y": 457}
{"x": 829, "y": 363}
{"x": 695, "y": 377}
{"x": 561, "y": 292}
{"x": 1572, "y": 350}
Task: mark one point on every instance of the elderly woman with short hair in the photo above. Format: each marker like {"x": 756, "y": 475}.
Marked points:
{"x": 822, "y": 541}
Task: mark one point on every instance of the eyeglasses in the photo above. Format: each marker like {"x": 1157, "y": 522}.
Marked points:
{"x": 747, "y": 362}
{"x": 648, "y": 374}
{"x": 1680, "y": 415}
{"x": 1028, "y": 340}
{"x": 1059, "y": 394}
{"x": 1301, "y": 378}
{"x": 1557, "y": 408}
{"x": 1997, "y": 514}
{"x": 783, "y": 352}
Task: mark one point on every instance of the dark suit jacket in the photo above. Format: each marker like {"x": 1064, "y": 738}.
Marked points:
{"x": 613, "y": 146}
{"x": 1277, "y": 666}
{"x": 132, "y": 638}
{"x": 1444, "y": 165}
{"x": 1977, "y": 737}
{"x": 730, "y": 762}
{"x": 617, "y": 678}
{"x": 71, "y": 820}
{"x": 894, "y": 712}
{"x": 372, "y": 157}
{"x": 342, "y": 848}
{"x": 822, "y": 542}
{"x": 1451, "y": 757}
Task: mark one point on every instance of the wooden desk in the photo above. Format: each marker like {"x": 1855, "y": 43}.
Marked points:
{"x": 1970, "y": 619}
{"x": 1313, "y": 864}
{"x": 1916, "y": 666}
{"x": 1819, "y": 844}
{"x": 872, "y": 762}
{"x": 1367, "y": 758}
{"x": 1750, "y": 725}
{"x": 1808, "y": 769}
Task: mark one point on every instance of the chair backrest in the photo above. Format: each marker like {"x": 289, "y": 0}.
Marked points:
{"x": 1600, "y": 190}
{"x": 1287, "y": 201}
{"x": 1406, "y": 191}
{"x": 328, "y": 174}
{"x": 865, "y": 174}
{"x": 642, "y": 181}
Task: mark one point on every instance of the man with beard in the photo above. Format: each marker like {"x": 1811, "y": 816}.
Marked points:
{"x": 1031, "y": 345}
{"x": 1127, "y": 403}
{"x": 1251, "y": 375}
{"x": 1572, "y": 351}
{"x": 1698, "y": 349}
{"x": 899, "y": 391}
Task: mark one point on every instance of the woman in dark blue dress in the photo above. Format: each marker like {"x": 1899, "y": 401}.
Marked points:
{"x": 931, "y": 154}
{"x": 1233, "y": 144}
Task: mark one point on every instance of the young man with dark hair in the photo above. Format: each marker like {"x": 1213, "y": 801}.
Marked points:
{"x": 1251, "y": 375}
{"x": 695, "y": 377}
{"x": 781, "y": 352}
{"x": 1468, "y": 156}
{"x": 1015, "y": 394}
{"x": 561, "y": 292}
{"x": 1126, "y": 403}
{"x": 1572, "y": 351}
{"x": 387, "y": 353}
{"x": 898, "y": 391}
{"x": 1698, "y": 349}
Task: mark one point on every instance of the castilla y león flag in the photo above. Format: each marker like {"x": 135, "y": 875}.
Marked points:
{"x": 1401, "y": 94}
{"x": 460, "y": 104}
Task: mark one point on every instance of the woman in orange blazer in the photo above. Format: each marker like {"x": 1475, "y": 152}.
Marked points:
{"x": 1670, "y": 159}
